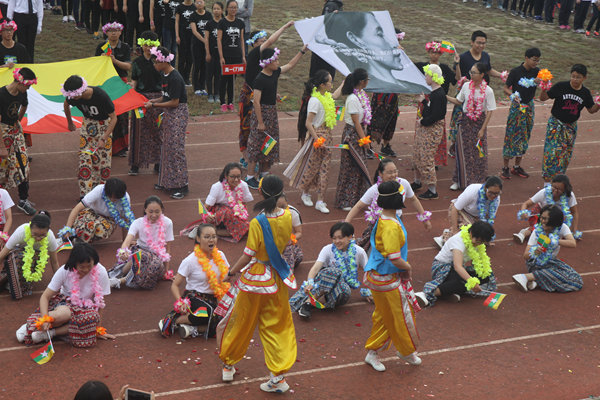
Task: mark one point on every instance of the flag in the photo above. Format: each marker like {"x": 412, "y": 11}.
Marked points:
{"x": 43, "y": 355}
{"x": 339, "y": 146}
{"x": 89, "y": 152}
{"x": 65, "y": 246}
{"x": 543, "y": 241}
{"x": 159, "y": 119}
{"x": 480, "y": 148}
{"x": 139, "y": 112}
{"x": 201, "y": 208}
{"x": 339, "y": 113}
{"x": 200, "y": 312}
{"x": 268, "y": 145}
{"x": 379, "y": 156}
{"x": 45, "y": 112}
{"x": 107, "y": 49}
{"x": 494, "y": 300}
{"x": 315, "y": 302}
{"x": 137, "y": 257}
{"x": 448, "y": 47}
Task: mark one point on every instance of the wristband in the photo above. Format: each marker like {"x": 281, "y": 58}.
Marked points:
{"x": 472, "y": 282}
{"x": 151, "y": 23}
{"x": 230, "y": 274}
{"x": 177, "y": 305}
{"x": 65, "y": 230}
{"x": 577, "y": 235}
{"x": 365, "y": 292}
{"x": 302, "y": 51}
{"x": 426, "y": 216}
{"x": 4, "y": 236}
{"x": 41, "y": 321}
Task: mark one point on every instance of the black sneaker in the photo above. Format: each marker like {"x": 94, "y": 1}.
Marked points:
{"x": 389, "y": 150}
{"x": 158, "y": 187}
{"x": 252, "y": 183}
{"x": 518, "y": 170}
{"x": 180, "y": 193}
{"x": 428, "y": 195}
{"x": 505, "y": 174}
{"x": 304, "y": 310}
{"x": 416, "y": 186}
{"x": 370, "y": 154}
{"x": 133, "y": 171}
{"x": 514, "y": 13}
{"x": 26, "y": 207}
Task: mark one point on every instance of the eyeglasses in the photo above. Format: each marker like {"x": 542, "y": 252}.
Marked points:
{"x": 495, "y": 194}
{"x": 544, "y": 219}
{"x": 235, "y": 177}
{"x": 213, "y": 237}
{"x": 536, "y": 61}
{"x": 475, "y": 73}
{"x": 560, "y": 190}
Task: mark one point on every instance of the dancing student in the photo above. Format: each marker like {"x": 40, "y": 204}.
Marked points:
{"x": 429, "y": 132}
{"x": 477, "y": 202}
{"x": 183, "y": 32}
{"x": 570, "y": 97}
{"x": 152, "y": 235}
{"x": 26, "y": 253}
{"x": 559, "y": 193}
{"x": 198, "y": 21}
{"x": 544, "y": 267}
{"x": 230, "y": 42}
{"x": 310, "y": 168}
{"x": 354, "y": 174}
{"x": 334, "y": 274}
{"x": 388, "y": 275}
{"x": 203, "y": 272}
{"x": 173, "y": 174}
{"x": 121, "y": 59}
{"x": 169, "y": 35}
{"x": 213, "y": 72}
{"x": 95, "y": 134}
{"x": 478, "y": 103}
{"x": 522, "y": 112}
{"x": 450, "y": 274}
{"x": 99, "y": 213}
{"x": 293, "y": 254}
{"x": 258, "y": 41}
{"x": 263, "y": 294}
{"x": 14, "y": 170}
{"x": 386, "y": 171}
{"x": 264, "y": 122}
{"x": 73, "y": 303}
{"x": 145, "y": 141}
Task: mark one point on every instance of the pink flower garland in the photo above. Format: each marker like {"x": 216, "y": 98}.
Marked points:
{"x": 475, "y": 106}
{"x": 236, "y": 204}
{"x": 98, "y": 301}
{"x": 365, "y": 103}
{"x": 158, "y": 247}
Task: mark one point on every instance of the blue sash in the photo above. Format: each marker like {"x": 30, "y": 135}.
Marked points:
{"x": 277, "y": 262}
{"x": 382, "y": 264}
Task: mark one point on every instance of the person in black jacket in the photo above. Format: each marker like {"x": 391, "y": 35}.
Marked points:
{"x": 316, "y": 62}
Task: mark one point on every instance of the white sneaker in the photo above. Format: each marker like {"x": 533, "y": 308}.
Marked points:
{"x": 520, "y": 237}
{"x": 321, "y": 206}
{"x": 115, "y": 283}
{"x": 439, "y": 241}
{"x": 306, "y": 200}
{"x": 531, "y": 285}
{"x": 41, "y": 336}
{"x": 71, "y": 19}
{"x": 521, "y": 282}
{"x": 228, "y": 372}
{"x": 21, "y": 333}
{"x": 452, "y": 298}
{"x": 346, "y": 209}
{"x": 412, "y": 359}
{"x": 185, "y": 331}
{"x": 65, "y": 19}
{"x": 455, "y": 186}
{"x": 373, "y": 359}
{"x": 275, "y": 387}
{"x": 422, "y": 299}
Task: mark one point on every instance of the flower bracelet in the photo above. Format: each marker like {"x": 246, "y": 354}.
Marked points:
{"x": 425, "y": 216}
{"x": 41, "y": 321}
{"x": 177, "y": 305}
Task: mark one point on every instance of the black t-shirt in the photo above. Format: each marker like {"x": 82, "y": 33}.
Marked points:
{"x": 97, "y": 107}
{"x": 513, "y": 80}
{"x": 268, "y": 86}
{"x": 211, "y": 27}
{"x": 252, "y": 67}
{"x": 173, "y": 87}
{"x": 569, "y": 102}
{"x": 447, "y": 73}
{"x": 10, "y": 105}
{"x": 434, "y": 110}
{"x": 122, "y": 53}
{"x": 159, "y": 9}
{"x": 169, "y": 20}
{"x": 232, "y": 37}
{"x": 147, "y": 77}
{"x": 185, "y": 12}
{"x": 17, "y": 54}
{"x": 467, "y": 61}
{"x": 201, "y": 21}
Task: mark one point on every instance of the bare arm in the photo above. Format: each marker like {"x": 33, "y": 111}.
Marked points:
{"x": 292, "y": 64}
{"x": 177, "y": 29}
{"x": 359, "y": 129}
{"x": 70, "y": 124}
{"x": 543, "y": 95}
{"x": 568, "y": 241}
{"x": 593, "y": 109}
{"x": 317, "y": 266}
{"x": 121, "y": 64}
{"x": 309, "y": 119}
{"x": 44, "y": 302}
{"x": 273, "y": 38}
{"x": 355, "y": 210}
{"x": 9, "y": 220}
{"x": 74, "y": 213}
{"x": 220, "y": 45}
{"x": 454, "y": 220}
{"x": 575, "y": 222}
{"x": 417, "y": 204}
{"x": 507, "y": 91}
{"x": 297, "y": 231}
{"x": 111, "y": 125}
{"x": 494, "y": 74}
{"x": 22, "y": 112}
{"x": 454, "y": 100}
{"x": 257, "y": 110}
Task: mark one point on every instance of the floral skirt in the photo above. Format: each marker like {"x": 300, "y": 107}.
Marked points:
{"x": 464, "y": 219}
{"x": 556, "y": 276}
{"x": 427, "y": 141}
{"x": 311, "y": 166}
{"x": 246, "y": 106}
{"x": 257, "y": 138}
{"x": 558, "y": 148}
{"x": 173, "y": 163}
{"x": 92, "y": 227}
{"x": 354, "y": 178}
{"x": 13, "y": 267}
{"x": 145, "y": 275}
{"x": 470, "y": 168}
{"x": 293, "y": 255}
{"x": 225, "y": 218}
{"x": 385, "y": 117}
{"x": 518, "y": 130}
{"x": 145, "y": 141}
{"x": 94, "y": 169}
{"x": 329, "y": 282}
{"x": 14, "y": 170}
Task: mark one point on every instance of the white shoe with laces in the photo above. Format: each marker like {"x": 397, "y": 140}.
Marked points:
{"x": 373, "y": 359}
{"x": 21, "y": 332}
{"x": 321, "y": 206}
{"x": 422, "y": 299}
{"x": 412, "y": 359}
{"x": 228, "y": 372}
{"x": 521, "y": 282}
{"x": 306, "y": 200}
{"x": 347, "y": 209}
{"x": 185, "y": 331}
{"x": 455, "y": 186}
{"x": 275, "y": 385}
{"x": 520, "y": 237}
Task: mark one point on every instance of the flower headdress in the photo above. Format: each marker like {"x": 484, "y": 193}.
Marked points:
{"x": 112, "y": 26}
{"x": 264, "y": 63}
{"x": 19, "y": 78}
{"x": 436, "y": 46}
{"x": 254, "y": 38}
{"x": 74, "y": 93}
{"x": 148, "y": 42}
{"x": 400, "y": 35}
{"x": 7, "y": 24}
{"x": 434, "y": 75}
{"x": 159, "y": 56}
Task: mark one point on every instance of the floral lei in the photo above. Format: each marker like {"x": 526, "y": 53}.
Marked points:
{"x": 157, "y": 247}
{"x": 365, "y": 103}
{"x": 329, "y": 106}
{"x": 374, "y": 211}
{"x": 40, "y": 266}
{"x": 348, "y": 264}
{"x": 236, "y": 203}
{"x": 491, "y": 211}
{"x": 115, "y": 214}
{"x": 562, "y": 203}
{"x": 98, "y": 301}
{"x": 221, "y": 288}
{"x": 475, "y": 105}
{"x": 479, "y": 258}
{"x": 546, "y": 256}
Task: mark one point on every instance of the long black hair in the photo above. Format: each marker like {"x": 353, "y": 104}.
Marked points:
{"x": 41, "y": 220}
{"x": 321, "y": 77}
{"x": 381, "y": 167}
{"x": 562, "y": 178}
{"x": 227, "y": 170}
{"x": 353, "y": 79}
{"x": 271, "y": 189}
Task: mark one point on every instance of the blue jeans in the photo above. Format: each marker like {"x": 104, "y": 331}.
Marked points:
{"x": 170, "y": 42}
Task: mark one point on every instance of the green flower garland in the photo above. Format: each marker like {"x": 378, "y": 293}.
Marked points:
{"x": 479, "y": 258}
{"x": 40, "y": 266}
{"x": 434, "y": 77}
{"x": 148, "y": 42}
{"x": 328, "y": 105}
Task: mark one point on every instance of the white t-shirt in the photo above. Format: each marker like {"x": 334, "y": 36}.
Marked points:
{"x": 7, "y": 203}
{"x": 372, "y": 192}
{"x": 296, "y": 220}
{"x": 60, "y": 281}
{"x": 138, "y": 229}
{"x": 353, "y": 107}
{"x": 540, "y": 199}
{"x": 94, "y": 201}
{"x": 455, "y": 242}
{"x": 315, "y": 106}
{"x": 467, "y": 201}
{"x": 327, "y": 257}
{"x": 195, "y": 277}
{"x": 489, "y": 104}
{"x": 564, "y": 231}
{"x": 18, "y": 238}
{"x": 217, "y": 195}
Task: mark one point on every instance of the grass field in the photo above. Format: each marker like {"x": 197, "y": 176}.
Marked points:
{"x": 422, "y": 20}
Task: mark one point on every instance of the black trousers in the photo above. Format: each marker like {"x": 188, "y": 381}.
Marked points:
{"x": 4, "y": 9}
{"x": 107, "y": 15}
{"x": 549, "y": 10}
{"x": 186, "y": 59}
{"x": 213, "y": 72}
{"x": 317, "y": 63}
{"x": 227, "y": 81}
{"x": 67, "y": 7}
{"x": 454, "y": 284}
{"x": 199, "y": 71}
{"x": 595, "y": 18}
{"x": 581, "y": 14}
{"x": 93, "y": 8}
{"x": 23, "y": 191}
{"x": 158, "y": 26}
{"x": 134, "y": 27}
{"x": 528, "y": 8}
{"x": 566, "y": 6}
{"x": 27, "y": 31}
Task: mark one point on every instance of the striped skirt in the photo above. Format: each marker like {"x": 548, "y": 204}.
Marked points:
{"x": 173, "y": 163}
{"x": 328, "y": 282}
{"x": 556, "y": 276}
{"x": 470, "y": 168}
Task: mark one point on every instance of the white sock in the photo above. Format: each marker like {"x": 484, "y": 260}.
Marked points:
{"x": 432, "y": 189}
{"x": 318, "y": 202}
{"x": 263, "y": 174}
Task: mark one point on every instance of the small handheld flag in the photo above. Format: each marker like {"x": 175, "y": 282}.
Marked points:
{"x": 139, "y": 113}
{"x": 137, "y": 257}
{"x": 379, "y": 156}
{"x": 480, "y": 148}
{"x": 107, "y": 49}
{"x": 543, "y": 241}
{"x": 268, "y": 145}
{"x": 159, "y": 119}
{"x": 447, "y": 47}
{"x": 88, "y": 152}
{"x": 494, "y": 300}
{"x": 200, "y": 312}
{"x": 339, "y": 146}
{"x": 65, "y": 246}
{"x": 339, "y": 113}
{"x": 201, "y": 208}
{"x": 43, "y": 355}
{"x": 315, "y": 302}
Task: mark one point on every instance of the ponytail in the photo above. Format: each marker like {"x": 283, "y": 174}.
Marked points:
{"x": 353, "y": 79}
{"x": 321, "y": 77}
{"x": 271, "y": 188}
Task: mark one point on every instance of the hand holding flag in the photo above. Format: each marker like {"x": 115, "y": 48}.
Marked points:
{"x": 43, "y": 355}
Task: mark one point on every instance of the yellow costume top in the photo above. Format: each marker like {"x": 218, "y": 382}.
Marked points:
{"x": 281, "y": 226}
{"x": 389, "y": 238}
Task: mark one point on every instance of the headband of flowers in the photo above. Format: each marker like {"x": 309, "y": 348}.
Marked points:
{"x": 264, "y": 63}
{"x": 112, "y": 26}
{"x": 434, "y": 76}
{"x": 19, "y": 78}
{"x": 159, "y": 56}
{"x": 400, "y": 35}
{"x": 254, "y": 38}
{"x": 8, "y": 25}
{"x": 436, "y": 46}
{"x": 148, "y": 42}
{"x": 74, "y": 93}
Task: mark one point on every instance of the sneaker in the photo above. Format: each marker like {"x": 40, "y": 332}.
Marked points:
{"x": 567, "y": 27}
{"x": 187, "y": 83}
{"x": 530, "y": 15}
{"x": 243, "y": 163}
{"x": 211, "y": 99}
{"x": 304, "y": 310}
{"x": 455, "y": 186}
{"x": 272, "y": 387}
{"x": 231, "y": 108}
{"x": 65, "y": 19}
{"x": 133, "y": 171}
{"x": 346, "y": 209}
{"x": 538, "y": 18}
{"x": 531, "y": 285}
{"x": 252, "y": 183}
{"x": 26, "y": 207}
{"x": 563, "y": 27}
{"x": 387, "y": 150}
{"x": 217, "y": 99}
{"x": 521, "y": 282}
{"x": 514, "y": 13}
{"x": 587, "y": 34}
{"x": 185, "y": 331}
{"x": 180, "y": 193}
{"x": 416, "y": 186}
{"x": 321, "y": 206}
{"x": 412, "y": 359}
{"x": 519, "y": 237}
{"x": 203, "y": 92}
{"x": 518, "y": 170}
{"x": 224, "y": 108}
{"x": 596, "y": 34}
{"x": 422, "y": 299}
{"x": 578, "y": 31}
{"x": 198, "y": 92}
{"x": 80, "y": 27}
{"x": 228, "y": 372}
{"x": 464, "y": 1}
{"x": 41, "y": 336}
{"x": 505, "y": 174}
{"x": 71, "y": 19}
{"x": 306, "y": 200}
{"x": 452, "y": 298}
{"x": 369, "y": 154}
{"x": 439, "y": 241}
{"x": 488, "y": 6}
{"x": 21, "y": 333}
{"x": 428, "y": 195}
{"x": 115, "y": 283}
{"x": 373, "y": 359}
